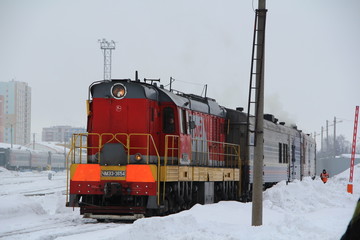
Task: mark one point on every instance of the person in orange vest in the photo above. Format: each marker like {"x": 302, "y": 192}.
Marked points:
{"x": 324, "y": 176}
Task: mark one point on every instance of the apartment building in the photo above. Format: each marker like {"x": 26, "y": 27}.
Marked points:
{"x": 15, "y": 112}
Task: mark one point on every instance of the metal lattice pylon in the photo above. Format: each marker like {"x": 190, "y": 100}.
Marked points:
{"x": 107, "y": 47}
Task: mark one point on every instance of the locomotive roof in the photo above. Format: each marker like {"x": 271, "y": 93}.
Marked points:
{"x": 194, "y": 102}
{"x": 137, "y": 89}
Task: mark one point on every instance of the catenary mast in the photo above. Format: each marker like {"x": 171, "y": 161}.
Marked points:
{"x": 258, "y": 62}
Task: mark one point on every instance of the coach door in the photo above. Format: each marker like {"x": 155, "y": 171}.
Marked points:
{"x": 291, "y": 154}
{"x": 185, "y": 137}
{"x": 292, "y": 162}
{"x": 295, "y": 158}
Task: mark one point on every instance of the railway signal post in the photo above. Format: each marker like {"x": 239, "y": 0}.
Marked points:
{"x": 353, "y": 151}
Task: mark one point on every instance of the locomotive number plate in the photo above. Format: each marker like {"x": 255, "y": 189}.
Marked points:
{"x": 112, "y": 173}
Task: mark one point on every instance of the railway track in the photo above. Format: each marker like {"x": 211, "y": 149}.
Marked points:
{"x": 42, "y": 214}
{"x": 32, "y": 185}
{"x": 54, "y": 228}
{"x": 43, "y": 192}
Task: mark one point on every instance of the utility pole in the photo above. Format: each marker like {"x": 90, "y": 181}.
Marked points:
{"x": 327, "y": 135}
{"x": 11, "y": 137}
{"x": 327, "y": 147}
{"x": 65, "y": 146}
{"x": 257, "y": 198}
{"x": 334, "y": 148}
{"x": 33, "y": 141}
{"x": 322, "y": 139}
{"x": 107, "y": 47}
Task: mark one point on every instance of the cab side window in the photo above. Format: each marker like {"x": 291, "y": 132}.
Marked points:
{"x": 168, "y": 121}
{"x": 184, "y": 121}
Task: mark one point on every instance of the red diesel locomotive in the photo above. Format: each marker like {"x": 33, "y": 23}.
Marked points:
{"x": 150, "y": 151}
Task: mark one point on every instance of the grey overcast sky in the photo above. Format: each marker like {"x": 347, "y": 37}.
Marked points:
{"x": 312, "y": 53}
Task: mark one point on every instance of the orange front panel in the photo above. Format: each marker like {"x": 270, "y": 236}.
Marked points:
{"x": 85, "y": 172}
{"x": 140, "y": 173}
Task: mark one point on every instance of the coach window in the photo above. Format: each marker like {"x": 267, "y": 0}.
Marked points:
{"x": 285, "y": 151}
{"x": 168, "y": 121}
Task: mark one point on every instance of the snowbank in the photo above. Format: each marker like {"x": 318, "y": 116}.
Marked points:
{"x": 305, "y": 209}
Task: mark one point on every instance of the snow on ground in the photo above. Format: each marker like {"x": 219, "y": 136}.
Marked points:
{"x": 39, "y": 146}
{"x": 14, "y": 146}
{"x": 33, "y": 207}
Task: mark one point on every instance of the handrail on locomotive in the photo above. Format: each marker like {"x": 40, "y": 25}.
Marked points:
{"x": 79, "y": 147}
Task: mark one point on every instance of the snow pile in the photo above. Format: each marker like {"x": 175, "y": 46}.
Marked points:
{"x": 10, "y": 206}
{"x": 5, "y": 173}
{"x": 307, "y": 196}
{"x": 305, "y": 209}
{"x": 311, "y": 209}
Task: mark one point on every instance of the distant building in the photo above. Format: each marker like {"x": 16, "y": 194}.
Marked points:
{"x": 15, "y": 112}
{"x": 60, "y": 133}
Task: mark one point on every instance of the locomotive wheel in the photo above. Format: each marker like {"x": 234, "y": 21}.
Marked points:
{"x": 166, "y": 209}
{"x": 184, "y": 206}
{"x": 172, "y": 205}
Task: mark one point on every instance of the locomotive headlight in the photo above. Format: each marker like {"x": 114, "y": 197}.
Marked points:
{"x": 138, "y": 157}
{"x": 118, "y": 91}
